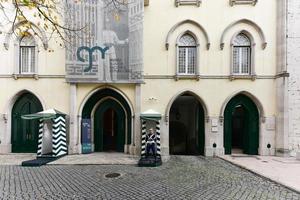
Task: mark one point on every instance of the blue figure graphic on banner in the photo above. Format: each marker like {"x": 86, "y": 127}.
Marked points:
{"x": 90, "y": 57}
{"x": 86, "y": 139}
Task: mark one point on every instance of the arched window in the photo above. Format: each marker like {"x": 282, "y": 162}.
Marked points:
{"x": 27, "y": 56}
{"x": 187, "y": 55}
{"x": 241, "y": 55}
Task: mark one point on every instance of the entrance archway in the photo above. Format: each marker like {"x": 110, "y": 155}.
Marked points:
{"x": 25, "y": 132}
{"x": 109, "y": 127}
{"x": 111, "y": 120}
{"x": 241, "y": 126}
{"x": 186, "y": 128}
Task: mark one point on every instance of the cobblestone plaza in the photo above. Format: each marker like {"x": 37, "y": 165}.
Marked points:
{"x": 183, "y": 177}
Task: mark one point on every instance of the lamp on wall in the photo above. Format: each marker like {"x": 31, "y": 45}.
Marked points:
{"x": 152, "y": 98}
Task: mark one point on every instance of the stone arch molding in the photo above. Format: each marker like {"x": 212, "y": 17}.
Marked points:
{"x": 95, "y": 90}
{"x": 244, "y": 21}
{"x": 256, "y": 101}
{"x": 40, "y": 33}
{"x": 194, "y": 94}
{"x": 187, "y": 21}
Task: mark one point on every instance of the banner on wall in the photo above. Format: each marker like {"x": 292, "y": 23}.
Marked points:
{"x": 108, "y": 47}
{"x": 86, "y": 135}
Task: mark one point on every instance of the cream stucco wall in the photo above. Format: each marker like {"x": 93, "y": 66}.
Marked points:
{"x": 52, "y": 93}
{"x": 213, "y": 93}
{"x": 214, "y": 88}
{"x": 214, "y": 16}
{"x": 159, "y": 89}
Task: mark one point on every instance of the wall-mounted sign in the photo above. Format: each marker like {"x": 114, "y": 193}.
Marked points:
{"x": 109, "y": 46}
{"x": 86, "y": 139}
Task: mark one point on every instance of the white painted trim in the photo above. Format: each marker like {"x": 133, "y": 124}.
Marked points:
{"x": 252, "y": 58}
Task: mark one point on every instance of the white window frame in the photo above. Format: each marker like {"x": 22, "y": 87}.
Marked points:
{"x": 240, "y": 61}
{"x": 251, "y": 70}
{"x": 186, "y": 48}
{"x": 18, "y": 68}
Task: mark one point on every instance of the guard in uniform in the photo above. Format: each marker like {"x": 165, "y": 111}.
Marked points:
{"x": 151, "y": 143}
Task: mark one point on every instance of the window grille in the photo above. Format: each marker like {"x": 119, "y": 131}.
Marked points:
{"x": 27, "y": 55}
{"x": 187, "y": 55}
{"x": 241, "y": 55}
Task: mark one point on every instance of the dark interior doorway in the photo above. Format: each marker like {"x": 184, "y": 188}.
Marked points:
{"x": 186, "y": 129}
{"x": 109, "y": 130}
{"x": 238, "y": 127}
{"x": 109, "y": 127}
{"x": 241, "y": 126}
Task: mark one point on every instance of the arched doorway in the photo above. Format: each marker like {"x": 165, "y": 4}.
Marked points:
{"x": 109, "y": 127}
{"x": 25, "y": 132}
{"x": 186, "y": 128}
{"x": 111, "y": 120}
{"x": 241, "y": 126}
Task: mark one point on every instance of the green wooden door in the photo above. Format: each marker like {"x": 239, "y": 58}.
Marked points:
{"x": 119, "y": 126}
{"x": 25, "y": 132}
{"x": 251, "y": 125}
{"x": 201, "y": 130}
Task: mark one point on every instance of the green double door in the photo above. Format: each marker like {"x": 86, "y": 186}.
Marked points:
{"x": 241, "y": 125}
{"x": 25, "y": 132}
{"x": 109, "y": 127}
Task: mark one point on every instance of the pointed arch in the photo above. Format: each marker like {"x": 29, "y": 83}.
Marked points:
{"x": 245, "y": 32}
{"x": 250, "y": 23}
{"x": 187, "y": 21}
{"x": 95, "y": 101}
{"x": 186, "y": 129}
{"x": 187, "y": 32}
{"x": 91, "y": 93}
{"x": 14, "y": 98}
{"x": 24, "y": 133}
{"x": 39, "y": 32}
{"x": 200, "y": 100}
{"x": 251, "y": 96}
{"x": 241, "y": 129}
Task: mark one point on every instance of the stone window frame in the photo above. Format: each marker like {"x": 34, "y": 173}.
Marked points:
{"x": 188, "y": 2}
{"x": 188, "y": 76}
{"x": 35, "y": 51}
{"x": 252, "y": 74}
{"x": 40, "y": 38}
{"x": 242, "y": 2}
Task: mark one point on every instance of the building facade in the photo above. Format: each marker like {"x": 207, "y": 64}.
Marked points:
{"x": 293, "y": 63}
{"x": 214, "y": 70}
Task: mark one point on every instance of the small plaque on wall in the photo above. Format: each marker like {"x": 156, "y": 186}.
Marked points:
{"x": 214, "y": 129}
{"x": 187, "y": 2}
{"x": 270, "y": 125}
{"x": 214, "y": 122}
{"x": 242, "y": 2}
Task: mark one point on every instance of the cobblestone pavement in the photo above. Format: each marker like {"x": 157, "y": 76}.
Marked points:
{"x": 183, "y": 177}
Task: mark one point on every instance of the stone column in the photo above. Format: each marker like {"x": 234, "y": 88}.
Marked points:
{"x": 5, "y": 134}
{"x": 214, "y": 145}
{"x": 136, "y": 143}
{"x": 73, "y": 129}
{"x": 282, "y": 127}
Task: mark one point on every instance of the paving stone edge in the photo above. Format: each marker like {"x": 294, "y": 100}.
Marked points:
{"x": 261, "y": 175}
